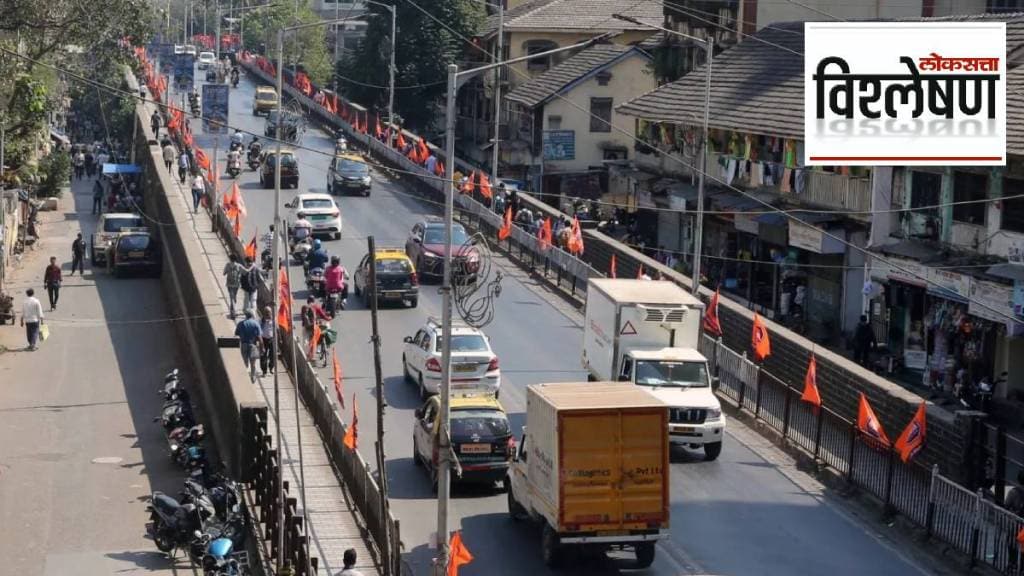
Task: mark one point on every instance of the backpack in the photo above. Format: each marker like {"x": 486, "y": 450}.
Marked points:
{"x": 250, "y": 279}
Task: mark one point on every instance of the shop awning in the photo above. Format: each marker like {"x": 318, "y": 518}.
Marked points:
{"x": 772, "y": 219}
{"x": 121, "y": 169}
{"x": 1014, "y": 272}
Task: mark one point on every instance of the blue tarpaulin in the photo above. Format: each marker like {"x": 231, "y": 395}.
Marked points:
{"x": 121, "y": 169}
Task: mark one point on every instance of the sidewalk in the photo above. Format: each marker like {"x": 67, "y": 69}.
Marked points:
{"x": 80, "y": 453}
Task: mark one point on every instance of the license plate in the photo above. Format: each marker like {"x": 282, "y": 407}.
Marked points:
{"x": 475, "y": 449}
{"x": 392, "y": 294}
{"x": 465, "y": 367}
{"x": 136, "y": 254}
{"x": 321, "y": 217}
{"x": 683, "y": 429}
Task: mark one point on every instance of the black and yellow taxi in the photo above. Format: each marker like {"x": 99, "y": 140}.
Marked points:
{"x": 396, "y": 278}
{"x": 136, "y": 250}
{"x": 349, "y": 173}
{"x": 289, "y": 169}
{"x": 481, "y": 438}
{"x": 264, "y": 100}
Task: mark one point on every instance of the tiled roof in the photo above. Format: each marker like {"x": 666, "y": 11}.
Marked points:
{"x": 1015, "y": 111}
{"x": 584, "y": 15}
{"x": 543, "y": 87}
{"x": 757, "y": 85}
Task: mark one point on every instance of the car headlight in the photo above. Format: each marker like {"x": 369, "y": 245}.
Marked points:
{"x": 714, "y": 414}
{"x": 366, "y": 180}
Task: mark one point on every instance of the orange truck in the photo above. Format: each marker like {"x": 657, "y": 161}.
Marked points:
{"x": 592, "y": 468}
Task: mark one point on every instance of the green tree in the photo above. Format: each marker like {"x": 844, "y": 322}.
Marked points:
{"x": 424, "y": 49}
{"x": 307, "y": 47}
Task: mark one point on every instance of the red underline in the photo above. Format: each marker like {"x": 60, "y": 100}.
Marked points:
{"x": 907, "y": 158}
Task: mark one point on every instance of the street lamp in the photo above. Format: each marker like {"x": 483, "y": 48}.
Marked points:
{"x": 229, "y": 11}
{"x": 709, "y": 48}
{"x": 455, "y": 80}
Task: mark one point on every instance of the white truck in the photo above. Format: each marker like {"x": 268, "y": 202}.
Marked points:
{"x": 592, "y": 468}
{"x": 647, "y": 332}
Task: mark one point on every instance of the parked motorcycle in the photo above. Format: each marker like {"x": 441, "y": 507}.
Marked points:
{"x": 176, "y": 414}
{"x": 218, "y": 560}
{"x": 172, "y": 524}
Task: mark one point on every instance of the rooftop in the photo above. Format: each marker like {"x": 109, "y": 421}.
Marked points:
{"x": 577, "y": 15}
{"x": 590, "y": 61}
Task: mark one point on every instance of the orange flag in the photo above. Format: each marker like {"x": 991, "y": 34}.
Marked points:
{"x": 238, "y": 225}
{"x": 868, "y": 423}
{"x": 202, "y": 160}
{"x": 400, "y": 141}
{"x": 458, "y": 554}
{"x": 640, "y": 272}
{"x": 284, "y": 316}
{"x": 1020, "y": 537}
{"x": 545, "y": 234}
{"x": 576, "y": 239}
{"x": 336, "y": 369}
{"x": 250, "y": 248}
{"x": 282, "y": 285}
{"x": 611, "y": 268}
{"x": 911, "y": 441}
{"x": 506, "y": 227}
{"x": 311, "y": 353}
{"x": 439, "y": 169}
{"x": 711, "y": 323}
{"x": 236, "y": 194}
{"x": 467, "y": 186}
{"x": 760, "y": 340}
{"x": 377, "y": 130}
{"x": 485, "y": 185}
{"x": 352, "y": 432}
{"x": 811, "y": 394}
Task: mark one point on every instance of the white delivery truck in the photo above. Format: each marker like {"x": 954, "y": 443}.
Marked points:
{"x": 647, "y": 332}
{"x": 592, "y": 468}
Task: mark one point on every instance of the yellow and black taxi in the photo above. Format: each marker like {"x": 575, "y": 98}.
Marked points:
{"x": 348, "y": 173}
{"x": 396, "y": 278}
{"x": 136, "y": 250}
{"x": 264, "y": 100}
{"x": 289, "y": 169}
{"x": 481, "y": 438}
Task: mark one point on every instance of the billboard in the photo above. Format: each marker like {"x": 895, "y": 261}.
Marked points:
{"x": 215, "y": 108}
{"x": 184, "y": 71}
{"x": 559, "y": 144}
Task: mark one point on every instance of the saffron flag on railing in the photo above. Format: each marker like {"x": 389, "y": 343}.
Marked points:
{"x": 336, "y": 369}
{"x": 238, "y": 225}
{"x": 576, "y": 238}
{"x": 811, "y": 394}
{"x": 506, "y": 226}
{"x": 545, "y": 234}
{"x": 250, "y": 248}
{"x": 911, "y": 441}
{"x": 400, "y": 141}
{"x": 313, "y": 341}
{"x": 611, "y": 268}
{"x": 284, "y": 316}
{"x": 868, "y": 423}
{"x": 458, "y": 554}
{"x": 467, "y": 185}
{"x": 711, "y": 323}
{"x": 485, "y": 185}
{"x": 352, "y": 432}
{"x": 284, "y": 290}
{"x": 760, "y": 340}
{"x": 202, "y": 160}
{"x": 439, "y": 169}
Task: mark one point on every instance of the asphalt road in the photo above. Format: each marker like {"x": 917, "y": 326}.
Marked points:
{"x": 739, "y": 515}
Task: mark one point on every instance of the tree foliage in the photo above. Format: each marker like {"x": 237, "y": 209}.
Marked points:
{"x": 306, "y": 47}
{"x": 424, "y": 48}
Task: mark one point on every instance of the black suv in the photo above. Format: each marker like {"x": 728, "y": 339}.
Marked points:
{"x": 137, "y": 250}
{"x": 290, "y": 122}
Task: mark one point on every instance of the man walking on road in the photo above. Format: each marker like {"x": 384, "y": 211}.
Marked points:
{"x": 250, "y": 281}
{"x": 154, "y": 123}
{"x": 183, "y": 166}
{"x": 267, "y": 331}
{"x": 232, "y": 281}
{"x": 78, "y": 255}
{"x": 31, "y": 317}
{"x": 169, "y": 155}
{"x": 97, "y": 197}
{"x": 198, "y": 189}
{"x": 52, "y": 280}
{"x": 248, "y": 332}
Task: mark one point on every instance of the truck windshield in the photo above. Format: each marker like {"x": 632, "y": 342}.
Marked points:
{"x": 676, "y": 374}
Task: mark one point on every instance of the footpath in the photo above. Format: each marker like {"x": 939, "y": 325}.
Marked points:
{"x": 80, "y": 454}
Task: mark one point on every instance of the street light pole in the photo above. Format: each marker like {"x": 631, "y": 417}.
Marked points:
{"x": 455, "y": 79}
{"x": 498, "y": 55}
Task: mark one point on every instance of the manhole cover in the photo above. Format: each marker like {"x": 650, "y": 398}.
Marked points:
{"x": 107, "y": 460}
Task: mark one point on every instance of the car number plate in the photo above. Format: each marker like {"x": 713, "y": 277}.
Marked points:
{"x": 684, "y": 429}
{"x": 318, "y": 217}
{"x": 392, "y": 294}
{"x": 136, "y": 254}
{"x": 475, "y": 449}
{"x": 465, "y": 367}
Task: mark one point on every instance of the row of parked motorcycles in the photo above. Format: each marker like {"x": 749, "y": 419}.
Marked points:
{"x": 206, "y": 520}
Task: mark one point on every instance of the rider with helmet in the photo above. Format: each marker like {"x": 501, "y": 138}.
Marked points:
{"x": 334, "y": 283}
{"x": 237, "y": 140}
{"x": 318, "y": 258}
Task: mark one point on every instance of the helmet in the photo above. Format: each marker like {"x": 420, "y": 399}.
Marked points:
{"x": 316, "y": 244}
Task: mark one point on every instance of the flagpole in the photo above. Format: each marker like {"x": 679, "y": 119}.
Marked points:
{"x": 216, "y": 185}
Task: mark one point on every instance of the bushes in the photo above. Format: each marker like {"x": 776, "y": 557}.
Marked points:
{"x": 55, "y": 173}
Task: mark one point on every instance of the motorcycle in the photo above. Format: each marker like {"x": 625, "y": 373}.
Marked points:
{"x": 218, "y": 561}
{"x": 186, "y": 446}
{"x": 301, "y": 244}
{"x": 193, "y": 103}
{"x": 336, "y": 300}
{"x": 235, "y": 145}
{"x": 173, "y": 524}
{"x": 176, "y": 414}
{"x": 315, "y": 281}
{"x": 253, "y": 157}
{"x": 234, "y": 167}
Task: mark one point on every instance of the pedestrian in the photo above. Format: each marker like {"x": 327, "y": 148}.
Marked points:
{"x": 198, "y": 190}
{"x": 169, "y": 154}
{"x": 52, "y": 280}
{"x": 78, "y": 161}
{"x": 233, "y": 281}
{"x": 863, "y": 342}
{"x": 90, "y": 163}
{"x": 31, "y": 317}
{"x": 249, "y": 281}
{"x": 349, "y": 564}
{"x": 97, "y": 196}
{"x": 183, "y": 165}
{"x": 248, "y": 332}
{"x": 78, "y": 255}
{"x": 267, "y": 323}
{"x": 154, "y": 123}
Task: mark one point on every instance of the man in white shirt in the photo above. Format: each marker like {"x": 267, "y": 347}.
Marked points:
{"x": 349, "y": 563}
{"x": 198, "y": 189}
{"x": 31, "y": 317}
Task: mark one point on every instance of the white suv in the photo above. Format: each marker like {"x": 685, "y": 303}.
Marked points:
{"x": 206, "y": 59}
{"x": 474, "y": 364}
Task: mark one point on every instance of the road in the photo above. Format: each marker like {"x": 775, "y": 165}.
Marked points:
{"x": 79, "y": 452}
{"x": 738, "y": 515}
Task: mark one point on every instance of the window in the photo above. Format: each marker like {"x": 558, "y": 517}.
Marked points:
{"x": 600, "y": 114}
{"x": 1013, "y": 210}
{"x": 554, "y": 122}
{"x": 969, "y": 187}
{"x": 924, "y": 191}
{"x": 603, "y": 78}
{"x": 535, "y": 47}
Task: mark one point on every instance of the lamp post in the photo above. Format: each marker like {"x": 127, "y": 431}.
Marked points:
{"x": 709, "y": 48}
{"x": 498, "y": 55}
{"x": 455, "y": 80}
{"x": 229, "y": 11}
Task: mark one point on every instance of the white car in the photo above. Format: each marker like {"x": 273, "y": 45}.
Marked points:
{"x": 190, "y": 49}
{"x": 179, "y": 48}
{"x": 320, "y": 210}
{"x": 474, "y": 365}
{"x": 206, "y": 59}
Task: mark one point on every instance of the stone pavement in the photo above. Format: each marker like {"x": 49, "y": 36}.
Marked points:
{"x": 80, "y": 453}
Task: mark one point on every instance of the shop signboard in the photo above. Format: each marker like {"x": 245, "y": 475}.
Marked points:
{"x": 559, "y": 145}
{"x": 948, "y": 284}
{"x": 906, "y": 271}
{"x": 812, "y": 238}
{"x": 986, "y": 296}
{"x": 215, "y": 108}
{"x": 746, "y": 223}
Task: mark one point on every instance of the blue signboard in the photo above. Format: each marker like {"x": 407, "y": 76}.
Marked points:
{"x": 184, "y": 71}
{"x": 215, "y": 108}
{"x": 559, "y": 144}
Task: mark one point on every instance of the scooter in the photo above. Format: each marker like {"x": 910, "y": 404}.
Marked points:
{"x": 253, "y": 157}
{"x": 301, "y": 244}
{"x": 234, "y": 168}
{"x": 235, "y": 145}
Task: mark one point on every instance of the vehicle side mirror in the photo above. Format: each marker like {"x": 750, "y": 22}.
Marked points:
{"x": 407, "y": 339}
{"x": 288, "y": 205}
